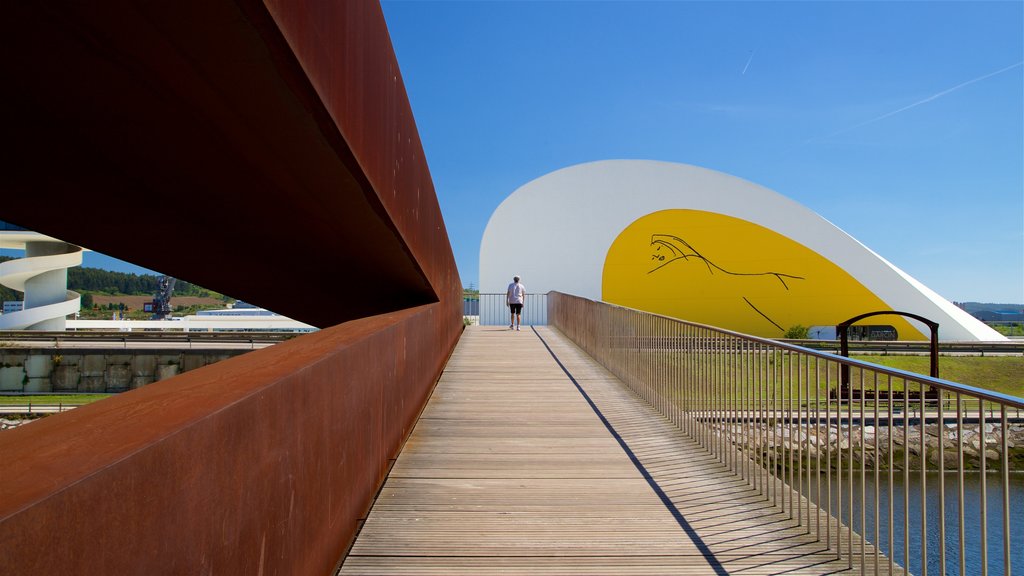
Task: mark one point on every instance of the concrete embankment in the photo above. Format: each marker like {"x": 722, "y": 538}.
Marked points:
{"x": 870, "y": 444}
{"x": 28, "y": 370}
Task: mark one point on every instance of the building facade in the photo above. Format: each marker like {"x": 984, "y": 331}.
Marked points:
{"x": 702, "y": 246}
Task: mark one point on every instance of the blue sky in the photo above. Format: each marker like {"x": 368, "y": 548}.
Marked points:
{"x": 901, "y": 123}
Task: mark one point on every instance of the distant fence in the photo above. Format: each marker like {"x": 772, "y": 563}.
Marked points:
{"x": 494, "y": 312}
{"x": 470, "y": 307}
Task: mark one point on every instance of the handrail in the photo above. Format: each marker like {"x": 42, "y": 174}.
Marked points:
{"x": 778, "y": 415}
{"x": 494, "y": 310}
{"x": 1010, "y": 347}
{"x": 949, "y": 385}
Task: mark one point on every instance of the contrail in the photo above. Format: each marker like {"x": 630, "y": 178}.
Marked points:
{"x": 749, "y": 60}
{"x": 918, "y": 103}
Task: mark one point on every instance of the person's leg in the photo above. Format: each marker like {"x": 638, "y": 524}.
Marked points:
{"x": 511, "y": 317}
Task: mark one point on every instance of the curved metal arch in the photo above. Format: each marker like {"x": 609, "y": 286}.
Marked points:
{"x": 844, "y": 342}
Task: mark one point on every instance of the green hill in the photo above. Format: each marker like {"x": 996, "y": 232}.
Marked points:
{"x": 98, "y": 281}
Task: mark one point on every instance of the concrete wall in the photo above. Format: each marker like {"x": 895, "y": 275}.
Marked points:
{"x": 47, "y": 370}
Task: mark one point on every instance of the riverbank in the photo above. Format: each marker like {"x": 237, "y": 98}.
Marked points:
{"x": 871, "y": 445}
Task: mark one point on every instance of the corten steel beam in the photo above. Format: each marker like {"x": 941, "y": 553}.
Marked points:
{"x": 267, "y": 151}
{"x": 260, "y": 464}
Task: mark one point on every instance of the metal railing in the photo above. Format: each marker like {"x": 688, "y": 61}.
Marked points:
{"x": 494, "y": 311}
{"x": 886, "y": 467}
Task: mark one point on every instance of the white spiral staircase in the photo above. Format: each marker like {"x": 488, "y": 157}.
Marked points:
{"x": 19, "y": 274}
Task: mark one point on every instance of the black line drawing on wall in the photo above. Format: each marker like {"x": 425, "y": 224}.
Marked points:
{"x": 669, "y": 248}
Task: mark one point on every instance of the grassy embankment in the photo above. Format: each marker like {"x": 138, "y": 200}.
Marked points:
{"x": 1004, "y": 374}
{"x": 784, "y": 374}
{"x": 51, "y": 399}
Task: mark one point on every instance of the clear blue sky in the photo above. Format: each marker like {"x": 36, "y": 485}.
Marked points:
{"x": 902, "y": 123}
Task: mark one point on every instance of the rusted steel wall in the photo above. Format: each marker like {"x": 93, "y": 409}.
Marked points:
{"x": 376, "y": 121}
{"x": 266, "y": 151}
{"x": 240, "y": 148}
{"x": 260, "y": 464}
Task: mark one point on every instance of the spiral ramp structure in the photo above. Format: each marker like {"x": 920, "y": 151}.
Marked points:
{"x": 42, "y": 276}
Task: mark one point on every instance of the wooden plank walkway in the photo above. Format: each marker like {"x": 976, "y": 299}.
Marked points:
{"x": 530, "y": 458}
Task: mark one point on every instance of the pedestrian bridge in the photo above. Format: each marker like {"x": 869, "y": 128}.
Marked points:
{"x": 619, "y": 442}
{"x": 530, "y": 457}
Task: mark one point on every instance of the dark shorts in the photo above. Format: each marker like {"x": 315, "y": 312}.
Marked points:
{"x": 516, "y": 308}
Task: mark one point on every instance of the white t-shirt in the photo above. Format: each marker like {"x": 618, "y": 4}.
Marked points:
{"x": 515, "y": 294}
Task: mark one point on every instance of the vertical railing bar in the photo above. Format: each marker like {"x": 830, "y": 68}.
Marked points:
{"x": 941, "y": 429}
{"x": 748, "y": 470}
{"x": 762, "y": 391}
{"x": 695, "y": 384}
{"x": 984, "y": 486}
{"x": 737, "y": 423}
{"x": 737, "y": 404}
{"x": 839, "y": 464}
{"x": 890, "y": 497}
{"x": 709, "y": 376}
{"x": 708, "y": 395}
{"x": 709, "y": 412}
{"x": 712, "y": 397}
{"x": 1005, "y": 463}
{"x": 775, "y": 429}
{"x": 723, "y": 402}
{"x": 960, "y": 481}
{"x": 924, "y": 484}
{"x": 756, "y": 424}
{"x": 906, "y": 476}
{"x": 731, "y": 404}
{"x": 778, "y": 411}
{"x": 805, "y": 362}
{"x": 876, "y": 487}
{"x": 762, "y": 420}
{"x": 799, "y": 445}
{"x": 730, "y": 456}
{"x": 788, "y": 446}
{"x": 849, "y": 464}
{"x": 817, "y": 444}
{"x": 768, "y": 429}
{"x": 687, "y": 380}
{"x": 738, "y": 350}
{"x": 716, "y": 396}
{"x": 678, "y": 385}
{"x": 828, "y": 453}
{"x": 752, "y": 403}
{"x": 863, "y": 481}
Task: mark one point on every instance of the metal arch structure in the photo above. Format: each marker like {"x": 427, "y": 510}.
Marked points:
{"x": 280, "y": 139}
{"x": 844, "y": 338}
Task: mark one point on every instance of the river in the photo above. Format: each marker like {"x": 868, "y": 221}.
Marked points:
{"x": 972, "y": 519}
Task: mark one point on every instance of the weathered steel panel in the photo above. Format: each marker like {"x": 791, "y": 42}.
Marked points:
{"x": 188, "y": 137}
{"x": 269, "y": 153}
{"x": 259, "y": 464}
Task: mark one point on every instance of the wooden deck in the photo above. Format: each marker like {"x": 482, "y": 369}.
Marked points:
{"x": 530, "y": 458}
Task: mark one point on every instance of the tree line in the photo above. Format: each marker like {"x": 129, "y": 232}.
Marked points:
{"x": 100, "y": 281}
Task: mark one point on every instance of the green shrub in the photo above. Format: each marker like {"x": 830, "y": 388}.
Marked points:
{"x": 797, "y": 332}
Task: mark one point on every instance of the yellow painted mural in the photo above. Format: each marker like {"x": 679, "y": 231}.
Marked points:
{"x": 719, "y": 270}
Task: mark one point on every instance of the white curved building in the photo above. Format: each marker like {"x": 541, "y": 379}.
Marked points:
{"x": 703, "y": 246}
{"x": 43, "y": 276}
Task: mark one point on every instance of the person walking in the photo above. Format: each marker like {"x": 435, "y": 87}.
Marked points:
{"x": 515, "y": 297}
